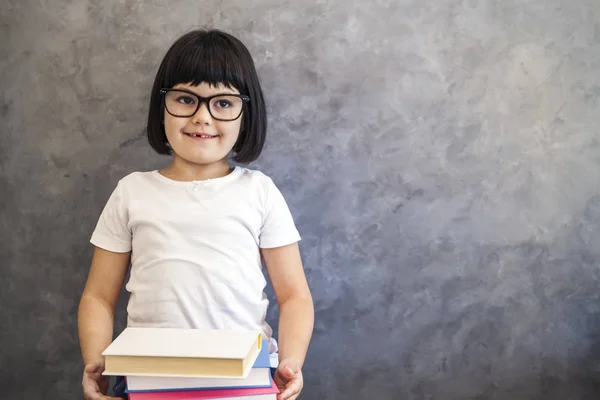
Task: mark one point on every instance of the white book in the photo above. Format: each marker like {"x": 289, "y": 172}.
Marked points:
{"x": 182, "y": 352}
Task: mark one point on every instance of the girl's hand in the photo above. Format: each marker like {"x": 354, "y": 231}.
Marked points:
{"x": 288, "y": 378}
{"x": 95, "y": 385}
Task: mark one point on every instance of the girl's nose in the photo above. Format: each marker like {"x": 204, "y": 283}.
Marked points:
{"x": 202, "y": 116}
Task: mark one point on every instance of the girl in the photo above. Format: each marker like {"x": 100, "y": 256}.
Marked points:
{"x": 197, "y": 231}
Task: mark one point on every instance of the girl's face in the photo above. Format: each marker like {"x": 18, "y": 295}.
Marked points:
{"x": 201, "y": 139}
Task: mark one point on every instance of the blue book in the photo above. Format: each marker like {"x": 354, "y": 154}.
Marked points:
{"x": 258, "y": 377}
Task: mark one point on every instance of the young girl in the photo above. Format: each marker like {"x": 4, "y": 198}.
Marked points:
{"x": 197, "y": 231}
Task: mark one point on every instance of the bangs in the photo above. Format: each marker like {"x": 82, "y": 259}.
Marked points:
{"x": 212, "y": 60}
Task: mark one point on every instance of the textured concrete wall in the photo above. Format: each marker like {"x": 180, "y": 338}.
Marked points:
{"x": 440, "y": 156}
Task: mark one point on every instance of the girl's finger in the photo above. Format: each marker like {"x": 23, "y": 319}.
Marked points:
{"x": 291, "y": 390}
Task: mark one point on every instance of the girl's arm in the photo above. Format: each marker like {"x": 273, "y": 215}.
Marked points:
{"x": 98, "y": 301}
{"x": 296, "y": 312}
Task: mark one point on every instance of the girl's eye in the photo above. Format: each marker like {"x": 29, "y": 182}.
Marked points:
{"x": 221, "y": 103}
{"x": 187, "y": 100}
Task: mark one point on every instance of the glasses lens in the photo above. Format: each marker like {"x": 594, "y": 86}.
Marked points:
{"x": 181, "y": 104}
{"x": 226, "y": 107}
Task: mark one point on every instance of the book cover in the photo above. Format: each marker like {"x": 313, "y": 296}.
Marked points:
{"x": 269, "y": 393}
{"x": 182, "y": 352}
{"x": 258, "y": 377}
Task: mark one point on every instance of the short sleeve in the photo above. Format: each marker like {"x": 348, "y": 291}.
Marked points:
{"x": 278, "y": 227}
{"x": 112, "y": 232}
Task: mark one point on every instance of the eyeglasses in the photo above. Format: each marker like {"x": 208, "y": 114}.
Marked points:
{"x": 222, "y": 107}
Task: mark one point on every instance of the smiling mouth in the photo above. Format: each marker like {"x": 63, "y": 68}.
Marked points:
{"x": 200, "y": 135}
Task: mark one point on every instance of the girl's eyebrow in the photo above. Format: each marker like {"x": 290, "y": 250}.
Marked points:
{"x": 223, "y": 90}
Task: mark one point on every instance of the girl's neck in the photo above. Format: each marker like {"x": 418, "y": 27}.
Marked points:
{"x": 181, "y": 170}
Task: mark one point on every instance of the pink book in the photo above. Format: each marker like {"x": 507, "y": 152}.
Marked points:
{"x": 242, "y": 394}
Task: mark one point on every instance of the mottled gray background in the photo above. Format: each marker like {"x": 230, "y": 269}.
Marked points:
{"x": 441, "y": 159}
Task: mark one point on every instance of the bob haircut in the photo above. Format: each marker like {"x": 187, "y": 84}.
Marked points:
{"x": 213, "y": 57}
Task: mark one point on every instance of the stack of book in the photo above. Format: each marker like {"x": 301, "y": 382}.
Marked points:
{"x": 191, "y": 364}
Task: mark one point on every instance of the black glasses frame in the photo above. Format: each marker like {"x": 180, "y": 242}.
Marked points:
{"x": 201, "y": 100}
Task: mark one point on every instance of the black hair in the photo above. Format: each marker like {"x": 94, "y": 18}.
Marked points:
{"x": 213, "y": 57}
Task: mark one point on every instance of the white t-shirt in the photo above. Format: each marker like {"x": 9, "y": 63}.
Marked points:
{"x": 195, "y": 258}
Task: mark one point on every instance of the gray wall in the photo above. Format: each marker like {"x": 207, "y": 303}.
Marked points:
{"x": 440, "y": 156}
